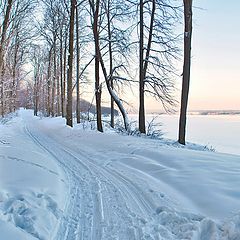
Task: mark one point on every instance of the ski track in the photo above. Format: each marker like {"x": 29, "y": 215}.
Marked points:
{"x": 108, "y": 198}
{"x": 103, "y": 204}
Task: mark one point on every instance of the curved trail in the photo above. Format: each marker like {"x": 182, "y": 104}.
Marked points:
{"x": 102, "y": 203}
{"x": 119, "y": 188}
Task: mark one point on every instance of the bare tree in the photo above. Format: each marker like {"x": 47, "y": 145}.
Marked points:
{"x": 141, "y": 120}
{"x": 186, "y": 69}
{"x": 36, "y": 60}
{"x": 4, "y": 27}
{"x": 78, "y": 67}
{"x": 53, "y": 30}
{"x": 70, "y": 65}
{"x": 63, "y": 38}
{"x": 63, "y": 85}
{"x": 15, "y": 35}
{"x": 157, "y": 49}
{"x": 114, "y": 52}
{"x": 95, "y": 7}
{"x": 49, "y": 82}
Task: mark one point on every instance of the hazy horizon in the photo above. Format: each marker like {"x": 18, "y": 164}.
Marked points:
{"x": 215, "y": 56}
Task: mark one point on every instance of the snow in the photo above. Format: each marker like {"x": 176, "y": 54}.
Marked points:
{"x": 62, "y": 183}
{"x": 31, "y": 185}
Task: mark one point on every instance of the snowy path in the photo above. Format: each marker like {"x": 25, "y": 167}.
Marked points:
{"x": 102, "y": 204}
{"x": 121, "y": 187}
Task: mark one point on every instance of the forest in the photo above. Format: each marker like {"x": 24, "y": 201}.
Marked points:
{"x": 52, "y": 52}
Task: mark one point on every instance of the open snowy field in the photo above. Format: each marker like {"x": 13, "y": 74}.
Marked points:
{"x": 66, "y": 184}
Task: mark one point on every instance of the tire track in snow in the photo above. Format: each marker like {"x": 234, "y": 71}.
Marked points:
{"x": 129, "y": 193}
{"x": 69, "y": 227}
{"x": 99, "y": 221}
{"x": 141, "y": 200}
{"x": 89, "y": 213}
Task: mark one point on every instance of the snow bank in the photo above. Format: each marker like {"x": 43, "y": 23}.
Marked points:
{"x": 31, "y": 186}
{"x": 194, "y": 194}
{"x": 120, "y": 187}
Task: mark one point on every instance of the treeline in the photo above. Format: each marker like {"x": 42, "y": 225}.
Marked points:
{"x": 116, "y": 44}
{"x": 16, "y": 34}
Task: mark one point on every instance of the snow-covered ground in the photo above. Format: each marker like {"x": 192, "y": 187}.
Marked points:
{"x": 31, "y": 185}
{"x": 67, "y": 184}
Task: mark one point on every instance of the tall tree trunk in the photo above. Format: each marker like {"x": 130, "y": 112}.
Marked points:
{"x": 54, "y": 76}
{"x": 64, "y": 73}
{"x": 61, "y": 72}
{"x": 36, "y": 88}
{"x": 49, "y": 84}
{"x": 110, "y": 62}
{"x": 145, "y": 63}
{"x": 35, "y": 97}
{"x": 78, "y": 69}
{"x": 186, "y": 69}
{"x": 70, "y": 66}
{"x": 43, "y": 93}
{"x": 2, "y": 51}
{"x": 58, "y": 84}
{"x": 4, "y": 32}
{"x": 1, "y": 94}
{"x": 98, "y": 90}
{"x": 14, "y": 84}
{"x": 112, "y": 107}
{"x": 58, "y": 95}
{"x": 142, "y": 128}
{"x": 13, "y": 92}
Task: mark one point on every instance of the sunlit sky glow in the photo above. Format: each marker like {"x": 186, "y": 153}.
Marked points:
{"x": 215, "y": 77}
{"x": 215, "y": 72}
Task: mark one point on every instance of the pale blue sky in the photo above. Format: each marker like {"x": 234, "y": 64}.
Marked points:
{"x": 215, "y": 77}
{"x": 215, "y": 72}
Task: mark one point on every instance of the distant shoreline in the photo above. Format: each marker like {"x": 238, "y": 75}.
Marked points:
{"x": 216, "y": 112}
{"x": 199, "y": 112}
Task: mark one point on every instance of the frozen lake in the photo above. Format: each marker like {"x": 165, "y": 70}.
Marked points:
{"x": 222, "y": 132}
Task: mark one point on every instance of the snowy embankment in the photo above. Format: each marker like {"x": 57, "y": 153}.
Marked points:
{"x": 31, "y": 186}
{"x": 116, "y": 187}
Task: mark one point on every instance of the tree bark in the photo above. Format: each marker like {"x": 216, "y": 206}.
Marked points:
{"x": 186, "y": 69}
{"x": 145, "y": 63}
{"x": 98, "y": 90}
{"x": 58, "y": 94}
{"x": 114, "y": 96}
{"x": 61, "y": 71}
{"x": 2, "y": 50}
{"x": 54, "y": 76}
{"x": 110, "y": 61}
{"x": 78, "y": 69}
{"x": 64, "y": 74}
{"x": 142, "y": 128}
{"x": 14, "y": 82}
{"x": 70, "y": 66}
{"x": 36, "y": 91}
{"x": 49, "y": 83}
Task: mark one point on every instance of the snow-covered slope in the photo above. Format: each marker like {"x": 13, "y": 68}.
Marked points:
{"x": 115, "y": 187}
{"x": 31, "y": 185}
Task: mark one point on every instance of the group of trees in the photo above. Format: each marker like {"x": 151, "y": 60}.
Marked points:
{"x": 75, "y": 41}
{"x": 15, "y": 35}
